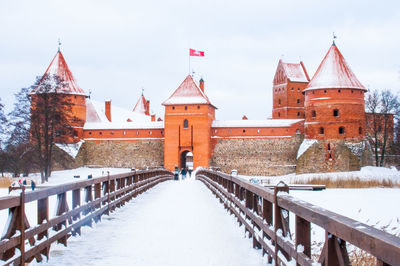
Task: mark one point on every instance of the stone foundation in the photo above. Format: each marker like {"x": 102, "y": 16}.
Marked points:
{"x": 140, "y": 154}
{"x": 334, "y": 156}
{"x": 259, "y": 157}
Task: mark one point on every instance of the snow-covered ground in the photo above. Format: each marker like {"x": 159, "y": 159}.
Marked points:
{"x": 174, "y": 223}
{"x": 366, "y": 173}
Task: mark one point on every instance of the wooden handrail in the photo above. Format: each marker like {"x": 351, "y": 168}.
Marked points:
{"x": 252, "y": 205}
{"x": 118, "y": 189}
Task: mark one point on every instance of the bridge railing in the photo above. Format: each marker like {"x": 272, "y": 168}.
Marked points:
{"x": 90, "y": 200}
{"x": 265, "y": 214}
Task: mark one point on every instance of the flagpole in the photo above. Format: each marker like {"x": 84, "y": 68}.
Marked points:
{"x": 189, "y": 61}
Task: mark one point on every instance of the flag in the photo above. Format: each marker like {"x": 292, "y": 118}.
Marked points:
{"x": 193, "y": 52}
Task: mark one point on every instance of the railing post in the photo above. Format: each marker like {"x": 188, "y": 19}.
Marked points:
{"x": 22, "y": 225}
{"x": 303, "y": 235}
{"x": 281, "y": 221}
{"x": 76, "y": 201}
{"x": 267, "y": 216}
{"x": 43, "y": 215}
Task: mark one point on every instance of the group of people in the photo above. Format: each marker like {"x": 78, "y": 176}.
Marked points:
{"x": 24, "y": 183}
{"x": 184, "y": 171}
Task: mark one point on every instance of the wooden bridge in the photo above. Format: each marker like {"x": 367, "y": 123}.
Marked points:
{"x": 264, "y": 212}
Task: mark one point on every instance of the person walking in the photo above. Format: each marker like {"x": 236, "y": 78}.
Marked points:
{"x": 176, "y": 173}
{"x": 183, "y": 173}
{"x": 33, "y": 185}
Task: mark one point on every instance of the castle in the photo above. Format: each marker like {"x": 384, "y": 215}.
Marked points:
{"x": 317, "y": 125}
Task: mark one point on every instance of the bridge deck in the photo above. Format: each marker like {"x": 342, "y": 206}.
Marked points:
{"x": 175, "y": 223}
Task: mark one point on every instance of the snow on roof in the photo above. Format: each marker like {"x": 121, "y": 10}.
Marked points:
{"x": 91, "y": 113}
{"x": 118, "y": 114}
{"x": 333, "y": 72}
{"x": 124, "y": 125}
{"x": 140, "y": 106}
{"x": 255, "y": 123}
{"x": 187, "y": 93}
{"x": 59, "y": 67}
{"x": 295, "y": 72}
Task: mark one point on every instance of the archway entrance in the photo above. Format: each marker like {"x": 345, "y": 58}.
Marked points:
{"x": 187, "y": 160}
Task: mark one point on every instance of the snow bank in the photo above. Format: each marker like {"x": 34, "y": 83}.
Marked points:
{"x": 307, "y": 143}
{"x": 71, "y": 149}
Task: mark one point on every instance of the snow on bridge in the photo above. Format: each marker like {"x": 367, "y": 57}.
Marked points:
{"x": 174, "y": 223}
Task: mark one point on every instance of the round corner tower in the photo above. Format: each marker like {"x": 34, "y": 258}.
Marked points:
{"x": 334, "y": 101}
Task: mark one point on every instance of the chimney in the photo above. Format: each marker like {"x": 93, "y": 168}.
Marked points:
{"x": 153, "y": 118}
{"x": 201, "y": 83}
{"x": 147, "y": 107}
{"x": 108, "y": 110}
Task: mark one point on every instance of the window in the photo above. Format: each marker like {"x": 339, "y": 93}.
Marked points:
{"x": 124, "y": 132}
{"x": 297, "y": 131}
{"x": 352, "y": 91}
{"x": 150, "y": 132}
{"x": 360, "y": 130}
{"x": 279, "y": 114}
{"x": 75, "y": 133}
{"x": 322, "y": 132}
{"x": 162, "y": 132}
{"x": 298, "y": 89}
{"x": 341, "y": 130}
{"x": 185, "y": 123}
{"x": 298, "y": 114}
{"x": 198, "y": 106}
{"x": 90, "y": 133}
{"x": 324, "y": 91}
{"x": 100, "y": 133}
{"x": 215, "y": 131}
{"x": 173, "y": 107}
{"x": 229, "y": 131}
{"x": 185, "y": 107}
{"x": 279, "y": 101}
{"x": 313, "y": 113}
{"x": 112, "y": 132}
{"x": 258, "y": 131}
{"x": 292, "y": 89}
{"x": 137, "y": 132}
{"x": 244, "y": 130}
{"x": 336, "y": 112}
{"x": 339, "y": 91}
{"x": 298, "y": 101}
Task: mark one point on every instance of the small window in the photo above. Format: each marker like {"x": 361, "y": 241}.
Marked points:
{"x": 298, "y": 114}
{"x": 215, "y": 131}
{"x": 150, "y": 132}
{"x": 339, "y": 91}
{"x": 198, "y": 106}
{"x": 313, "y": 113}
{"x": 137, "y": 132}
{"x": 341, "y": 130}
{"x": 100, "y": 133}
{"x": 352, "y": 91}
{"x": 322, "y": 131}
{"x": 185, "y": 123}
{"x": 162, "y": 132}
{"x": 292, "y": 89}
{"x": 173, "y": 107}
{"x": 258, "y": 131}
{"x": 324, "y": 91}
{"x": 360, "y": 130}
{"x": 229, "y": 131}
{"x": 336, "y": 112}
{"x": 112, "y": 132}
{"x": 279, "y": 114}
{"x": 75, "y": 133}
{"x": 185, "y": 107}
{"x": 279, "y": 101}
{"x": 124, "y": 132}
{"x": 329, "y": 147}
{"x": 297, "y": 131}
{"x": 298, "y": 89}
{"x": 244, "y": 130}
{"x": 90, "y": 133}
{"x": 298, "y": 101}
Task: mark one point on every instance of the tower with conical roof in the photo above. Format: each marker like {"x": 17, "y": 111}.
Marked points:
{"x": 188, "y": 119}
{"x": 72, "y": 93}
{"x": 334, "y": 101}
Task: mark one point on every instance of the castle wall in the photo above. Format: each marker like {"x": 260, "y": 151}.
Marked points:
{"x": 257, "y": 156}
{"x": 334, "y": 156}
{"x": 139, "y": 154}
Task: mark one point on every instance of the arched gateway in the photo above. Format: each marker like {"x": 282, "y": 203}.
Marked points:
{"x": 188, "y": 118}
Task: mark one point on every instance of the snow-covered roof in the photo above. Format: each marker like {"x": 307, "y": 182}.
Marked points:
{"x": 91, "y": 113}
{"x": 124, "y": 125}
{"x": 118, "y": 114}
{"x": 295, "y": 72}
{"x": 59, "y": 67}
{"x": 188, "y": 93}
{"x": 333, "y": 73}
{"x": 141, "y": 106}
{"x": 255, "y": 123}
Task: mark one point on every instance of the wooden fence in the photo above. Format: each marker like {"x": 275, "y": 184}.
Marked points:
{"x": 265, "y": 214}
{"x": 101, "y": 195}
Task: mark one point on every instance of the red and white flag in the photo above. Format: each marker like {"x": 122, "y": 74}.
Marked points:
{"x": 193, "y": 52}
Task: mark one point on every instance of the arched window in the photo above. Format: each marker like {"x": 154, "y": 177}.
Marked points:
{"x": 336, "y": 112}
{"x": 322, "y": 132}
{"x": 279, "y": 101}
{"x": 298, "y": 101}
{"x": 185, "y": 107}
{"x": 360, "y": 130}
{"x": 185, "y": 123}
{"x": 329, "y": 147}
{"x": 313, "y": 113}
{"x": 341, "y": 130}
{"x": 298, "y": 114}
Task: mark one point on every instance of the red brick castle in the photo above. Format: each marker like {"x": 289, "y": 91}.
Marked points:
{"x": 317, "y": 125}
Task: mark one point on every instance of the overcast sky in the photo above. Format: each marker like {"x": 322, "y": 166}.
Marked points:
{"x": 114, "y": 48}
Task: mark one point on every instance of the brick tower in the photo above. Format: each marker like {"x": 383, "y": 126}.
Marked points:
{"x": 71, "y": 91}
{"x": 335, "y": 118}
{"x": 188, "y": 119}
{"x": 289, "y": 82}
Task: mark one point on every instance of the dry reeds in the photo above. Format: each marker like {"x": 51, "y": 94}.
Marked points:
{"x": 5, "y": 182}
{"x": 353, "y": 182}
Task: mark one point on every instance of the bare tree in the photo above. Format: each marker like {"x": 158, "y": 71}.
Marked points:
{"x": 381, "y": 107}
{"x": 3, "y": 156}
{"x": 50, "y": 116}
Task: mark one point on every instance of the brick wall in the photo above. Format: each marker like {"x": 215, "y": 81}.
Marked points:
{"x": 338, "y": 156}
{"x": 140, "y": 154}
{"x": 257, "y": 156}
